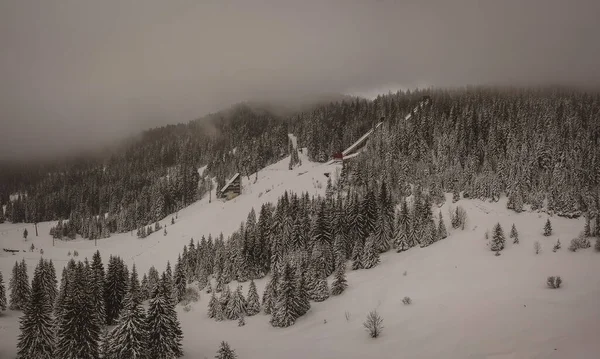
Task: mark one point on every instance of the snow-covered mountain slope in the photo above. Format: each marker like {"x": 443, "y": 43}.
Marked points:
{"x": 467, "y": 303}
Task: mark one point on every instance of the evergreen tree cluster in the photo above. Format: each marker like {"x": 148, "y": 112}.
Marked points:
{"x": 147, "y": 177}
{"x": 72, "y": 322}
{"x": 536, "y": 145}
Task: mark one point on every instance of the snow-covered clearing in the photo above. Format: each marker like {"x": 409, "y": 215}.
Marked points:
{"x": 467, "y": 303}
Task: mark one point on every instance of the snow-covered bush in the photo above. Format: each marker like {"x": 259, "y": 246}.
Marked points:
{"x": 537, "y": 247}
{"x": 581, "y": 242}
{"x": 347, "y": 315}
{"x": 597, "y": 246}
{"x": 406, "y": 300}
{"x": 187, "y": 308}
{"x": 458, "y": 218}
{"x": 374, "y": 324}
{"x": 556, "y": 246}
{"x": 554, "y": 282}
{"x": 191, "y": 295}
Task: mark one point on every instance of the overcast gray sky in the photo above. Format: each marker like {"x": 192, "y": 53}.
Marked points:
{"x": 74, "y": 73}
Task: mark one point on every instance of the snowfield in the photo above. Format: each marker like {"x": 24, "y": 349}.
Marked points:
{"x": 467, "y": 302}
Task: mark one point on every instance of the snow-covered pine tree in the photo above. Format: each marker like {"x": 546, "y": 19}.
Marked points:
{"x": 357, "y": 253}
{"x": 168, "y": 276}
{"x": 180, "y": 280}
{"x": 2, "y": 293}
{"x": 302, "y": 294}
{"x": 339, "y": 249}
{"x": 429, "y": 233}
{"x": 161, "y": 335}
{"x": 225, "y": 296}
{"x": 498, "y": 239}
{"x": 225, "y": 352}
{"x": 215, "y": 310}
{"x": 236, "y": 306}
{"x": 77, "y": 332}
{"x": 134, "y": 288}
{"x": 401, "y": 238}
{"x": 319, "y": 289}
{"x": 19, "y": 287}
{"x": 514, "y": 234}
{"x": 339, "y": 283}
{"x": 115, "y": 288}
{"x": 369, "y": 212}
{"x": 52, "y": 283}
{"x": 47, "y": 279}
{"x": 144, "y": 290}
{"x": 285, "y": 313}
{"x": 370, "y": 255}
{"x": 442, "y": 232}
{"x": 385, "y": 222}
{"x": 269, "y": 298}
{"x": 130, "y": 336}
{"x": 153, "y": 280}
{"x": 37, "y": 326}
{"x": 548, "y": 228}
{"x": 455, "y": 195}
{"x": 414, "y": 236}
{"x": 253, "y": 305}
{"x": 587, "y": 227}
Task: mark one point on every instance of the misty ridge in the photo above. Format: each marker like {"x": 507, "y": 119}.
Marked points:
{"x": 66, "y": 91}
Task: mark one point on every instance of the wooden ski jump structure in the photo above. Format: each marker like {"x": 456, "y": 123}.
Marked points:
{"x": 356, "y": 148}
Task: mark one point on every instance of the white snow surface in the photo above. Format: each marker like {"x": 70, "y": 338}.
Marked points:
{"x": 467, "y": 303}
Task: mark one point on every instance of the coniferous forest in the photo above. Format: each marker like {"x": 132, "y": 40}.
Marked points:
{"x": 539, "y": 147}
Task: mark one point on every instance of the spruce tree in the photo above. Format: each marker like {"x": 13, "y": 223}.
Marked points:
{"x": 180, "y": 280}
{"x": 161, "y": 337}
{"x": 153, "y": 280}
{"x": 253, "y": 306}
{"x": 51, "y": 282}
{"x": 225, "y": 352}
{"x": 225, "y": 297}
{"x": 47, "y": 279}
{"x": 37, "y": 326}
{"x": 130, "y": 336}
{"x": 285, "y": 313}
{"x": 514, "y": 234}
{"x": 269, "y": 298}
{"x": 548, "y": 228}
{"x": 587, "y": 227}
{"x": 215, "y": 309}
{"x": 236, "y": 306}
{"x": 164, "y": 331}
{"x": 115, "y": 289}
{"x": 302, "y": 294}
{"x": 370, "y": 255}
{"x": 596, "y": 247}
{"x": 19, "y": 287}
{"x": 442, "y": 232}
{"x": 98, "y": 283}
{"x": 319, "y": 287}
{"x": 134, "y": 288}
{"x": 339, "y": 283}
{"x": 78, "y": 332}
{"x": 357, "y": 256}
{"x": 498, "y": 239}
{"x": 2, "y": 293}
{"x": 144, "y": 290}
{"x": 401, "y": 238}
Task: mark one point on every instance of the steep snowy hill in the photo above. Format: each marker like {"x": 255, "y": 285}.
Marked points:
{"x": 467, "y": 303}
